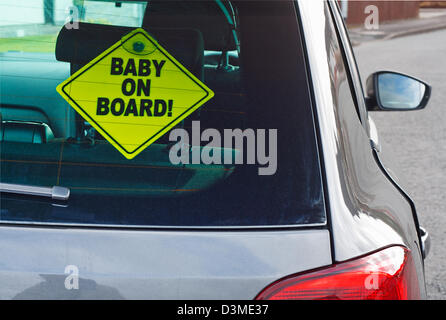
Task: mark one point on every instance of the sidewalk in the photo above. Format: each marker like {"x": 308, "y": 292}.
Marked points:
{"x": 429, "y": 20}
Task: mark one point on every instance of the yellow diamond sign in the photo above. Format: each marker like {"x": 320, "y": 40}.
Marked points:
{"x": 134, "y": 92}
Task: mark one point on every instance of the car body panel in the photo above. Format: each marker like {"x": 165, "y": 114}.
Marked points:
{"x": 367, "y": 212}
{"x": 129, "y": 264}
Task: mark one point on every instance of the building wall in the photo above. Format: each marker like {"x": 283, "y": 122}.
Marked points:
{"x": 433, "y": 4}
{"x": 388, "y": 10}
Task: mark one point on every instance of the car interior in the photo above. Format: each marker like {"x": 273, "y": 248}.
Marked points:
{"x": 44, "y": 141}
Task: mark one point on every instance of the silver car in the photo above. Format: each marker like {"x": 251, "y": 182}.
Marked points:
{"x": 308, "y": 211}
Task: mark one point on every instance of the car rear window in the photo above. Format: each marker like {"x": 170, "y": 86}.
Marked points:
{"x": 247, "y": 157}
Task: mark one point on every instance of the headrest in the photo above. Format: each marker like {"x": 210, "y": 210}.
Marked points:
{"x": 80, "y": 46}
{"x": 25, "y": 131}
{"x": 206, "y": 16}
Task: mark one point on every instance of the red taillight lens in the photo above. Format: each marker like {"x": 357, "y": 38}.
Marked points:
{"x": 388, "y": 274}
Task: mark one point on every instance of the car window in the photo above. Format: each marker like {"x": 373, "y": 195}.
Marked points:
{"x": 109, "y": 12}
{"x": 257, "y": 165}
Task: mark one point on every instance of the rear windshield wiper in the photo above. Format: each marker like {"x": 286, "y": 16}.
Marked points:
{"x": 55, "y": 193}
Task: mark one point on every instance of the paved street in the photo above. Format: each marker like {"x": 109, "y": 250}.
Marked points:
{"x": 417, "y": 140}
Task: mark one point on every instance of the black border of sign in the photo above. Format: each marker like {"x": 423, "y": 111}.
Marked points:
{"x": 156, "y": 134}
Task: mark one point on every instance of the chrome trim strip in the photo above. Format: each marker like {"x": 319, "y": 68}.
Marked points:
{"x": 162, "y": 228}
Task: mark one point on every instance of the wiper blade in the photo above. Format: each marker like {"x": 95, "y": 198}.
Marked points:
{"x": 55, "y": 193}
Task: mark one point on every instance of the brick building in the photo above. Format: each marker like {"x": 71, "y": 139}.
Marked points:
{"x": 388, "y": 10}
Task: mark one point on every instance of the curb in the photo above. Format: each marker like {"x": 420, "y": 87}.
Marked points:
{"x": 404, "y": 33}
{"x": 414, "y": 31}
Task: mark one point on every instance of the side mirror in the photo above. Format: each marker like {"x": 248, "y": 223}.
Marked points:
{"x": 392, "y": 91}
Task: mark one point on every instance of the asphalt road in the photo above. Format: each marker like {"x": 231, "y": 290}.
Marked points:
{"x": 416, "y": 141}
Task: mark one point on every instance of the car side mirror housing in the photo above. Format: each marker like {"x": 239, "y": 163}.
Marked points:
{"x": 392, "y": 91}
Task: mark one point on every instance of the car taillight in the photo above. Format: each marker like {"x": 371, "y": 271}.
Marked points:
{"x": 388, "y": 274}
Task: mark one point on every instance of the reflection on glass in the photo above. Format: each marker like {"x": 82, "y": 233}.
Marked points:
{"x": 400, "y": 92}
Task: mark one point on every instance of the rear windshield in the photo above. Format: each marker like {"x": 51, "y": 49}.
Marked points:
{"x": 159, "y": 113}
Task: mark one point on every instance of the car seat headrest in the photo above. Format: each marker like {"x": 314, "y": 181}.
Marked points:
{"x": 25, "y": 131}
{"x": 80, "y": 46}
{"x": 206, "y": 16}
